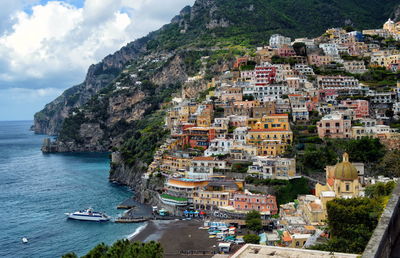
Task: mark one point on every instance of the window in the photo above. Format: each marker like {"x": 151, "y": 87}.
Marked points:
{"x": 347, "y": 187}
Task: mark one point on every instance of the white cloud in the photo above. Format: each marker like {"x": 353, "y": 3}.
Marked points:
{"x": 51, "y": 45}
{"x": 57, "y": 38}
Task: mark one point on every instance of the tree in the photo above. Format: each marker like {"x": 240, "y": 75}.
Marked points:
{"x": 290, "y": 191}
{"x": 98, "y": 251}
{"x": 390, "y": 164}
{"x": 123, "y": 248}
{"x": 251, "y": 239}
{"x": 253, "y": 220}
{"x": 300, "y": 48}
{"x": 351, "y": 223}
{"x": 379, "y": 189}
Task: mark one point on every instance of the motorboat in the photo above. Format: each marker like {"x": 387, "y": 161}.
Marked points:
{"x": 88, "y": 215}
{"x": 24, "y": 240}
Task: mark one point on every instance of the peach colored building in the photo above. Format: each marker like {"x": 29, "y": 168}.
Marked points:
{"x": 258, "y": 202}
{"x": 335, "y": 125}
{"x": 319, "y": 60}
{"x": 232, "y": 94}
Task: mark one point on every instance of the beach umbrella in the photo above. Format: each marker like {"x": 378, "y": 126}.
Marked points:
{"x": 185, "y": 212}
{"x": 202, "y": 213}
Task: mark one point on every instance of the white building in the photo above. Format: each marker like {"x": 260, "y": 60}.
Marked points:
{"x": 278, "y": 41}
{"x": 273, "y": 167}
{"x": 330, "y": 49}
{"x": 273, "y": 91}
{"x": 218, "y": 147}
{"x": 239, "y": 134}
{"x": 303, "y": 69}
{"x": 203, "y": 167}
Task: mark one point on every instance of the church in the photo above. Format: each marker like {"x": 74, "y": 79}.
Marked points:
{"x": 343, "y": 180}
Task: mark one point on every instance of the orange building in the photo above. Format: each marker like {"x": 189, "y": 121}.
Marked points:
{"x": 199, "y": 136}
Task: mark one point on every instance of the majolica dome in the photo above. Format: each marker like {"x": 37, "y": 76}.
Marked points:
{"x": 345, "y": 170}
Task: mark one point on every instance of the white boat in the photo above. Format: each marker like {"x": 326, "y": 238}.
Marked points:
{"x": 24, "y": 240}
{"x": 88, "y": 215}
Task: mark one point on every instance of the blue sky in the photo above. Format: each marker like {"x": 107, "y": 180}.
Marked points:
{"x": 47, "y": 46}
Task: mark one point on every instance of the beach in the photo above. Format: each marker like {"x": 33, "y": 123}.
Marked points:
{"x": 179, "y": 238}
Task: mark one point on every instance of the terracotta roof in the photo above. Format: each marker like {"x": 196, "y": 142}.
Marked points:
{"x": 204, "y": 158}
{"x": 287, "y": 237}
{"x": 278, "y": 115}
{"x": 315, "y": 206}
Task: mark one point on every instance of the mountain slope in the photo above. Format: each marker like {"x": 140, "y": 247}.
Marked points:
{"x": 211, "y": 25}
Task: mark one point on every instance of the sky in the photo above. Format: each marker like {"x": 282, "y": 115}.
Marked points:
{"x": 47, "y": 46}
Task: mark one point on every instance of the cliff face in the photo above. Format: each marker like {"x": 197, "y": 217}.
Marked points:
{"x": 106, "y": 120}
{"x": 50, "y": 119}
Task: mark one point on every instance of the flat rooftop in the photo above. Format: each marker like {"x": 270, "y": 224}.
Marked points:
{"x": 257, "y": 251}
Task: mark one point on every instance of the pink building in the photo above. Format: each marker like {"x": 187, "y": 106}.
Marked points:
{"x": 286, "y": 51}
{"x": 335, "y": 125}
{"x": 360, "y": 107}
{"x": 258, "y": 202}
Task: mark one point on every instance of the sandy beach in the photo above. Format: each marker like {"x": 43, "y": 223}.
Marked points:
{"x": 179, "y": 237}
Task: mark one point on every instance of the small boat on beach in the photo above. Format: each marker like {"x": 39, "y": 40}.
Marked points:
{"x": 88, "y": 215}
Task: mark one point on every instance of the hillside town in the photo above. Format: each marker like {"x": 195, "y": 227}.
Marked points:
{"x": 243, "y": 128}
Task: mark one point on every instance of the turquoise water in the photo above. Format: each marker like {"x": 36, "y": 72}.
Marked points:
{"x": 37, "y": 189}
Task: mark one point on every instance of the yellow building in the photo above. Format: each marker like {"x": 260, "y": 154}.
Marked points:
{"x": 216, "y": 194}
{"x": 205, "y": 118}
{"x": 242, "y": 152}
{"x": 270, "y": 134}
{"x": 273, "y": 121}
{"x": 175, "y": 164}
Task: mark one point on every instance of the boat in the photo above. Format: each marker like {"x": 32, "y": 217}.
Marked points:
{"x": 24, "y": 240}
{"x": 88, "y": 215}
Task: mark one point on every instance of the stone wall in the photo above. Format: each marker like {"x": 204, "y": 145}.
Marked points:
{"x": 385, "y": 241}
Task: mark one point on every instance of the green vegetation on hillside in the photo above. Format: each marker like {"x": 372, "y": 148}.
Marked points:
{"x": 314, "y": 157}
{"x": 148, "y": 134}
{"x": 285, "y": 190}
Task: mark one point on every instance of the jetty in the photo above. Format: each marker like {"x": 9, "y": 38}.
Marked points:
{"x": 128, "y": 204}
{"x": 130, "y": 220}
{"x": 137, "y": 212}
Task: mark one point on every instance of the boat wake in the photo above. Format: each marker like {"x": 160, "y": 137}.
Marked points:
{"x": 137, "y": 231}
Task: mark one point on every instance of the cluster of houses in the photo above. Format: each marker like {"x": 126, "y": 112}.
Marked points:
{"x": 244, "y": 127}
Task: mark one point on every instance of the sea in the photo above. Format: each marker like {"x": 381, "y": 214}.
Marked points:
{"x": 36, "y": 190}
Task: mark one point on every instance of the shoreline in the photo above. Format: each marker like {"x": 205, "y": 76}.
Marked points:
{"x": 138, "y": 231}
{"x": 178, "y": 236}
